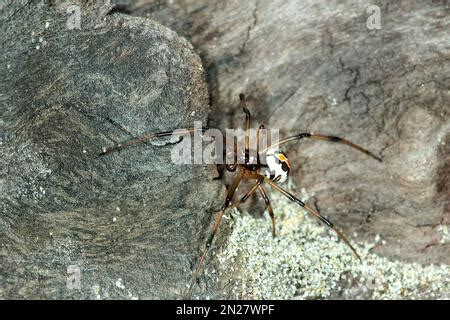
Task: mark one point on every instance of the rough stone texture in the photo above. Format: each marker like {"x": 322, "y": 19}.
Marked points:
{"x": 314, "y": 65}
{"x": 132, "y": 221}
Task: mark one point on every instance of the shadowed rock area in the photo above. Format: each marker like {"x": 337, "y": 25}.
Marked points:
{"x": 130, "y": 222}
{"x": 316, "y": 66}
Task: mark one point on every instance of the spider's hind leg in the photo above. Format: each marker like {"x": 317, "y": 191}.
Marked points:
{"x": 314, "y": 212}
{"x": 215, "y": 227}
{"x": 269, "y": 208}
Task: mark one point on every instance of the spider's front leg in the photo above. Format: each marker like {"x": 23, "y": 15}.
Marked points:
{"x": 151, "y": 135}
{"x": 314, "y": 136}
{"x": 247, "y": 121}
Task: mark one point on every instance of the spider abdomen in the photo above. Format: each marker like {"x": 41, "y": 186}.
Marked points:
{"x": 278, "y": 166}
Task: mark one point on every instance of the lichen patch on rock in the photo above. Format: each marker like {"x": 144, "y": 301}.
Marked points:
{"x": 306, "y": 261}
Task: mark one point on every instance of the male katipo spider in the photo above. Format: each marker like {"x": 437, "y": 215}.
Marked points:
{"x": 273, "y": 172}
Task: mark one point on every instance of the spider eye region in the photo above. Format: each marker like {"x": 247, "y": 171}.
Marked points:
{"x": 278, "y": 167}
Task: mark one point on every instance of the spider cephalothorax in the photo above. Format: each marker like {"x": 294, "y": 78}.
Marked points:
{"x": 273, "y": 172}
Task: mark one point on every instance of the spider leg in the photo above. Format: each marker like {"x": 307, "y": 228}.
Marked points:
{"x": 230, "y": 164}
{"x": 258, "y": 142}
{"x": 151, "y": 135}
{"x": 226, "y": 206}
{"x": 247, "y": 121}
{"x": 245, "y": 197}
{"x": 325, "y": 138}
{"x": 314, "y": 212}
{"x": 259, "y": 129}
{"x": 269, "y": 207}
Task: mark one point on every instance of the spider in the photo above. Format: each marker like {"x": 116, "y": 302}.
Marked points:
{"x": 273, "y": 172}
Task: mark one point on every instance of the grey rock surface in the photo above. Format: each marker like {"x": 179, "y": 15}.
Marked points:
{"x": 316, "y": 66}
{"x": 131, "y": 222}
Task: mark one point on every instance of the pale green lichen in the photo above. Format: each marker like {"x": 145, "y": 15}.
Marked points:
{"x": 306, "y": 260}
